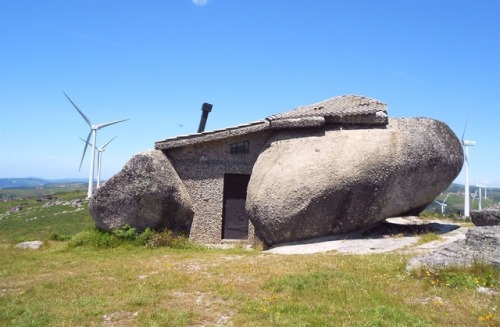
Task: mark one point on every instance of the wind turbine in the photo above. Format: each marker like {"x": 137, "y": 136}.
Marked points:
{"x": 93, "y": 133}
{"x": 442, "y": 204}
{"x": 100, "y": 151}
{"x": 466, "y": 145}
{"x": 479, "y": 188}
{"x": 474, "y": 196}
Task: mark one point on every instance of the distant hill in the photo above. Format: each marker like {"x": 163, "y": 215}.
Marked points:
{"x": 454, "y": 196}
{"x": 35, "y": 182}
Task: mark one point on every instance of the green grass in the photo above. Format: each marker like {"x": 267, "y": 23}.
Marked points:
{"x": 37, "y": 222}
{"x": 129, "y": 284}
{"x": 428, "y": 237}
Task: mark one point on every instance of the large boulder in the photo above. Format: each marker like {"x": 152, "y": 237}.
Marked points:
{"x": 146, "y": 193}
{"x": 309, "y": 183}
{"x": 481, "y": 246}
{"x": 487, "y": 217}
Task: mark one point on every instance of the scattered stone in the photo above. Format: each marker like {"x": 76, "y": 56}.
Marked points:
{"x": 53, "y": 203}
{"x": 487, "y": 217}
{"x": 146, "y": 193}
{"x": 15, "y": 209}
{"x": 33, "y": 245}
{"x": 309, "y": 183}
{"x": 481, "y": 245}
{"x": 487, "y": 290}
{"x": 77, "y": 203}
{"x": 120, "y": 318}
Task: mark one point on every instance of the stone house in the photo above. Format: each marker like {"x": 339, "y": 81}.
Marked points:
{"x": 216, "y": 166}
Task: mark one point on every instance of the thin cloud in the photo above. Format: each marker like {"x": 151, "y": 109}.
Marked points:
{"x": 200, "y": 2}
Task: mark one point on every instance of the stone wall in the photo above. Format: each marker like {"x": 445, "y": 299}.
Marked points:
{"x": 202, "y": 167}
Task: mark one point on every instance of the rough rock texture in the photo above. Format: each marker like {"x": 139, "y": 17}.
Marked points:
{"x": 487, "y": 217}
{"x": 147, "y": 192}
{"x": 33, "y": 245}
{"x": 315, "y": 182}
{"x": 481, "y": 245}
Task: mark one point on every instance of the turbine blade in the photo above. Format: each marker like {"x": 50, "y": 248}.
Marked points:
{"x": 84, "y": 141}
{"x": 110, "y": 123}
{"x": 465, "y": 127}
{"x": 85, "y": 149}
{"x": 81, "y": 113}
{"x": 102, "y": 147}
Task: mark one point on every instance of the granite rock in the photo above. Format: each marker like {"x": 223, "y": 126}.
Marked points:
{"x": 146, "y": 193}
{"x": 487, "y": 217}
{"x": 310, "y": 183}
{"x": 481, "y": 245}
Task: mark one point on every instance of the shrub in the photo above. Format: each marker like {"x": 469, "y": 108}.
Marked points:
{"x": 169, "y": 239}
{"x": 94, "y": 238}
{"x": 59, "y": 238}
{"x": 129, "y": 235}
{"x": 126, "y": 233}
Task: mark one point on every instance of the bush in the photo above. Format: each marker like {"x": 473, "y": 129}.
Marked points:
{"x": 94, "y": 238}
{"x": 126, "y": 233}
{"x": 169, "y": 239}
{"x": 129, "y": 235}
{"x": 59, "y": 238}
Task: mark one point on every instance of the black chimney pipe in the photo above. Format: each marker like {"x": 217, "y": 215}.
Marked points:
{"x": 205, "y": 109}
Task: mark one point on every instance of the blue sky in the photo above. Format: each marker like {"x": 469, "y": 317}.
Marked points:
{"x": 156, "y": 62}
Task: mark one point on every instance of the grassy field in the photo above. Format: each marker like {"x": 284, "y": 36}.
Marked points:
{"x": 131, "y": 285}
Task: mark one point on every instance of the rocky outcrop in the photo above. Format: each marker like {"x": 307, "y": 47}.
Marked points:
{"x": 487, "y": 217}
{"x": 481, "y": 245}
{"x": 146, "y": 193}
{"x": 317, "y": 182}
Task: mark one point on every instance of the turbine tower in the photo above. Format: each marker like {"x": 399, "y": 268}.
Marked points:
{"x": 100, "y": 151}
{"x": 93, "y": 133}
{"x": 99, "y": 161}
{"x": 466, "y": 145}
{"x": 480, "y": 203}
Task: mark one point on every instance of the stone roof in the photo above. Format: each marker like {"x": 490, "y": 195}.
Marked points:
{"x": 344, "y": 105}
{"x": 217, "y": 134}
{"x": 353, "y": 109}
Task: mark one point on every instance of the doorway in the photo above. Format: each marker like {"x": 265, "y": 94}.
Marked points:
{"x": 234, "y": 216}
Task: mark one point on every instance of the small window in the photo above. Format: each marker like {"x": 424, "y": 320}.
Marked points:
{"x": 241, "y": 147}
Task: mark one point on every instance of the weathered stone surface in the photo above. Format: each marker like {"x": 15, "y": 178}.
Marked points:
{"x": 487, "y": 217}
{"x": 146, "y": 193}
{"x": 317, "y": 182}
{"x": 32, "y": 245}
{"x": 481, "y": 245}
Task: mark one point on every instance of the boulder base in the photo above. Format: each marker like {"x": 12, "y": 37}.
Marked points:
{"x": 310, "y": 183}
{"x": 481, "y": 245}
{"x": 146, "y": 193}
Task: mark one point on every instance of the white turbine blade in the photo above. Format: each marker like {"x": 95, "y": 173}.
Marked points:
{"x": 85, "y": 149}
{"x": 446, "y": 198}
{"x": 110, "y": 123}
{"x": 102, "y": 147}
{"x": 465, "y": 128}
{"x": 81, "y": 113}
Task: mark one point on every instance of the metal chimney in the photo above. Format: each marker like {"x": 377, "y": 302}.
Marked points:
{"x": 205, "y": 109}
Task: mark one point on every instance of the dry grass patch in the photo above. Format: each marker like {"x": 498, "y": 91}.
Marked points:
{"x": 195, "y": 287}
